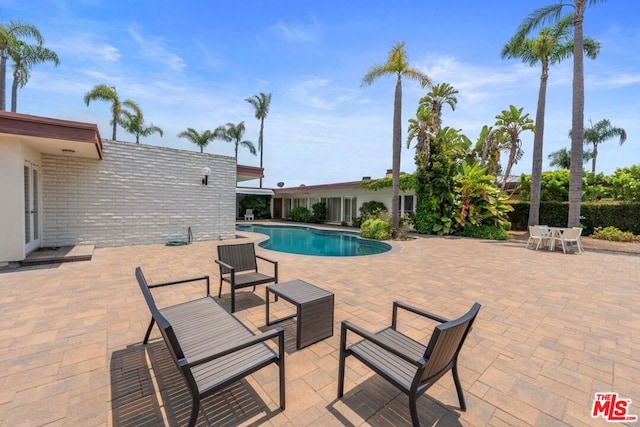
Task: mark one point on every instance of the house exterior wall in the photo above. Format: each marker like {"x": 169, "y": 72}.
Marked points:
{"x": 137, "y": 194}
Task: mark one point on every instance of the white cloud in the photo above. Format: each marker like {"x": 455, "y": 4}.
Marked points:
{"x": 297, "y": 32}
{"x": 85, "y": 46}
{"x": 319, "y": 93}
{"x": 153, "y": 47}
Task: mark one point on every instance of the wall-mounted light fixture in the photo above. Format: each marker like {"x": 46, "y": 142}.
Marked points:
{"x": 206, "y": 171}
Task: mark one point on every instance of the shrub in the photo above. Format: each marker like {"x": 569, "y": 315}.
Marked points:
{"x": 300, "y": 214}
{"x": 259, "y": 204}
{"x": 376, "y": 228}
{"x": 614, "y": 234}
{"x": 369, "y": 210}
{"x": 489, "y": 232}
{"x": 319, "y": 212}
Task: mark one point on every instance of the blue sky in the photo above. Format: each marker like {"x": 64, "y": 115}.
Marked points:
{"x": 192, "y": 64}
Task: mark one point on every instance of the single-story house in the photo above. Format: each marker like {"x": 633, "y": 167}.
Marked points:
{"x": 61, "y": 184}
{"x": 343, "y": 199}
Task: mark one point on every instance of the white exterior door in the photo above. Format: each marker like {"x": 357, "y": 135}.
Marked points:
{"x": 32, "y": 211}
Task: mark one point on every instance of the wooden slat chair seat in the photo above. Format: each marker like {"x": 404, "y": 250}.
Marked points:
{"x": 407, "y": 364}
{"x": 239, "y": 267}
{"x": 209, "y": 345}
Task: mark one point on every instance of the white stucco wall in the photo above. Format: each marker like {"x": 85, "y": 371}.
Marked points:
{"x": 137, "y": 194}
{"x": 12, "y": 201}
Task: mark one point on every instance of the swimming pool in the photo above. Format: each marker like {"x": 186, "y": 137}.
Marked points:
{"x": 313, "y": 241}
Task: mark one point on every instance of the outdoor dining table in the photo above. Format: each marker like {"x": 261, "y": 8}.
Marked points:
{"x": 555, "y": 233}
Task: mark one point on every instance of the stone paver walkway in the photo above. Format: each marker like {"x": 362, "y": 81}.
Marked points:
{"x": 554, "y": 329}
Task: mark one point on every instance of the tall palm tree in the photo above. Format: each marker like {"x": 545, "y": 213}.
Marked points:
{"x": 25, "y": 56}
{"x": 261, "y": 104}
{"x": 234, "y": 133}
{"x": 397, "y": 65}
{"x": 135, "y": 125}
{"x": 106, "y": 93}
{"x": 553, "y": 44}
{"x": 512, "y": 123}
{"x": 201, "y": 140}
{"x": 9, "y": 35}
{"x": 599, "y": 133}
{"x": 553, "y": 13}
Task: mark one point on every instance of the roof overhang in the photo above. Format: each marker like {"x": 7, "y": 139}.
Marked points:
{"x": 246, "y": 173}
{"x": 52, "y": 136}
{"x": 254, "y": 191}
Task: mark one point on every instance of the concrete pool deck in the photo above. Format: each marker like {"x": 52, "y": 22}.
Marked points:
{"x": 554, "y": 329}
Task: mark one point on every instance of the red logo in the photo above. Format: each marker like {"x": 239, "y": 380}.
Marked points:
{"x": 612, "y": 408}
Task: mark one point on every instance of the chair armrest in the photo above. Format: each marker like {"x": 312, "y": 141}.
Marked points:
{"x": 346, "y": 325}
{"x": 266, "y": 259}
{"x": 178, "y": 282}
{"x": 224, "y": 264}
{"x": 398, "y": 304}
{"x": 277, "y": 332}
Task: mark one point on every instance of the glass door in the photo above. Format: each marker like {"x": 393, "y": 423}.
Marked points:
{"x": 32, "y": 217}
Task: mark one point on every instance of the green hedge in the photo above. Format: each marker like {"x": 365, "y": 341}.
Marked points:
{"x": 624, "y": 216}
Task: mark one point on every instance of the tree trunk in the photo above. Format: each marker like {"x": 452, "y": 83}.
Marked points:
{"x": 115, "y": 124}
{"x": 510, "y": 162}
{"x": 14, "y": 92}
{"x": 397, "y": 145}
{"x": 538, "y": 139}
{"x": 260, "y": 142}
{"x": 577, "y": 119}
{"x": 594, "y": 153}
{"x": 3, "y": 78}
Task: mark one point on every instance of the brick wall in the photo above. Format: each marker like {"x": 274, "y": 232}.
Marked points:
{"x": 137, "y": 194}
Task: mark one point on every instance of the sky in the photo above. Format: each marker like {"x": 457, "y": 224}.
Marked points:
{"x": 193, "y": 64}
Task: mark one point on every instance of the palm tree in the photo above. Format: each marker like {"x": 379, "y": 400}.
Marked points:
{"x": 24, "y": 56}
{"x": 488, "y": 148}
{"x": 512, "y": 123}
{"x": 599, "y": 133}
{"x": 234, "y": 133}
{"x": 438, "y": 96}
{"x": 261, "y": 104}
{"x": 200, "y": 140}
{"x": 562, "y": 158}
{"x": 552, "y": 13}
{"x": 553, "y": 45}
{"x": 106, "y": 93}
{"x": 9, "y": 35}
{"x": 135, "y": 125}
{"x": 397, "y": 65}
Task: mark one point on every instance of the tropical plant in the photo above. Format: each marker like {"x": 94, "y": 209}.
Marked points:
{"x": 106, "y": 93}
{"x": 134, "y": 124}
{"x": 487, "y": 149}
{"x": 562, "y": 158}
{"x": 300, "y": 214}
{"x": 553, "y": 44}
{"x": 599, "y": 133}
{"x": 397, "y": 65}
{"x": 24, "y": 57}
{"x": 436, "y": 98}
{"x": 553, "y": 13}
{"x": 368, "y": 210}
{"x": 479, "y": 202}
{"x": 512, "y": 123}
{"x": 261, "y": 103}
{"x": 234, "y": 133}
{"x": 614, "y": 234}
{"x": 201, "y": 140}
{"x": 319, "y": 212}
{"x": 10, "y": 34}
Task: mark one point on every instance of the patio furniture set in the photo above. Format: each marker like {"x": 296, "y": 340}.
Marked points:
{"x": 539, "y": 235}
{"x": 213, "y": 349}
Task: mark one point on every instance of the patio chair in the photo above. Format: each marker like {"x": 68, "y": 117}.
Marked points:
{"x": 538, "y": 233}
{"x": 239, "y": 267}
{"x": 407, "y": 364}
{"x": 248, "y": 215}
{"x": 570, "y": 236}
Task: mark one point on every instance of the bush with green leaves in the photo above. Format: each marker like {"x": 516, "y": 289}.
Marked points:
{"x": 259, "y": 205}
{"x": 625, "y": 183}
{"x": 319, "y": 212}
{"x": 486, "y": 231}
{"x": 376, "y": 228}
{"x": 368, "y": 210}
{"x": 301, "y": 214}
{"x": 614, "y": 234}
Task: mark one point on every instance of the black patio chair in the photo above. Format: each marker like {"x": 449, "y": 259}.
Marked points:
{"x": 407, "y": 364}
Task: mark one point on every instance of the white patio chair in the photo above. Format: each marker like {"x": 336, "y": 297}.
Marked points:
{"x": 248, "y": 215}
{"x": 571, "y": 235}
{"x": 537, "y": 234}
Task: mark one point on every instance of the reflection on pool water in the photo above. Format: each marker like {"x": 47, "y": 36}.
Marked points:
{"x": 313, "y": 241}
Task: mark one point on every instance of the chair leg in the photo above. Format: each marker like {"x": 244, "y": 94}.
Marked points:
{"x": 456, "y": 380}
{"x": 220, "y": 290}
{"x": 146, "y": 337}
{"x": 233, "y": 300}
{"x": 195, "y": 409}
{"x": 341, "y": 363}
{"x": 413, "y": 409}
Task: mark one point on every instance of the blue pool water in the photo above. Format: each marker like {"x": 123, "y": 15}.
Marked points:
{"x": 313, "y": 241}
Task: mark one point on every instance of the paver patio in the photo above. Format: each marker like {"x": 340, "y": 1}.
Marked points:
{"x": 554, "y": 329}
